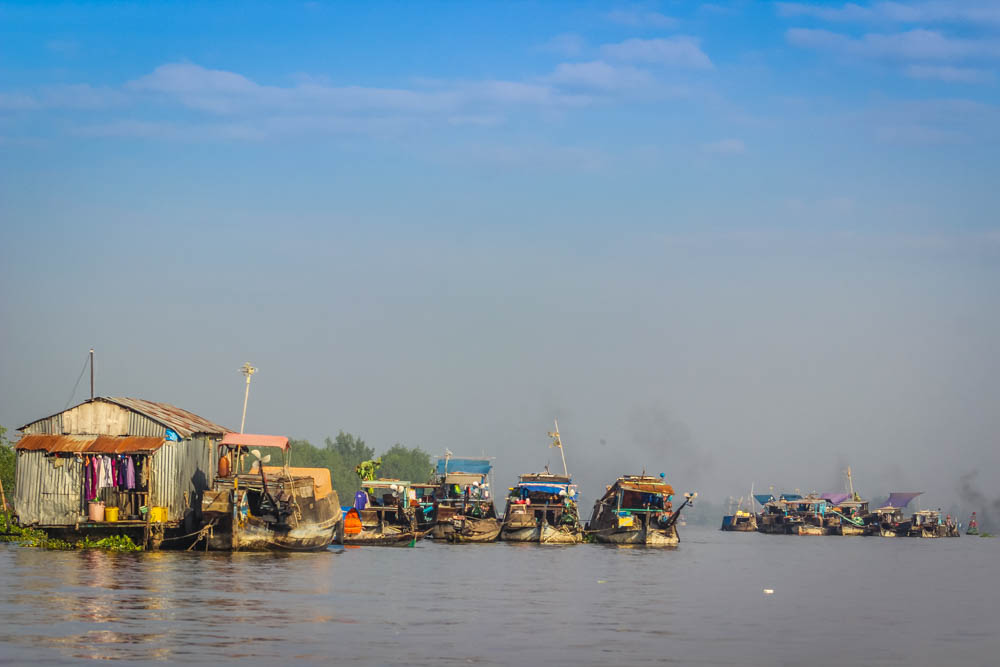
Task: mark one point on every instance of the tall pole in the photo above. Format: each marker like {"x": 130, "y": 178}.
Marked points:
{"x": 557, "y": 442}
{"x": 91, "y": 373}
{"x": 248, "y": 371}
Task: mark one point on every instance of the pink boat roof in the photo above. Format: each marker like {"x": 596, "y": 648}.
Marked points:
{"x": 254, "y": 440}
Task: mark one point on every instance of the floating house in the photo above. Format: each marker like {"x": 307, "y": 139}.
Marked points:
{"x": 131, "y": 455}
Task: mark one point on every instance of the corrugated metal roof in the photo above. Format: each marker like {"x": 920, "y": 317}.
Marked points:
{"x": 99, "y": 444}
{"x": 184, "y": 422}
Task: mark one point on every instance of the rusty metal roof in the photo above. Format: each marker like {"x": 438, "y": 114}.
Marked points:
{"x": 184, "y": 422}
{"x": 89, "y": 444}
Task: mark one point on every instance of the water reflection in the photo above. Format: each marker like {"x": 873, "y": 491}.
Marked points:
{"x": 499, "y": 604}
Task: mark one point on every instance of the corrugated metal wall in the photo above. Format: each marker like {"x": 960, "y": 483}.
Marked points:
{"x": 138, "y": 425}
{"x": 46, "y": 494}
{"x": 179, "y": 468}
{"x": 141, "y": 425}
{"x": 50, "y": 426}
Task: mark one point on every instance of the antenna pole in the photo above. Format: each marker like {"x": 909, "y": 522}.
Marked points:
{"x": 91, "y": 373}
{"x": 248, "y": 371}
{"x": 558, "y": 443}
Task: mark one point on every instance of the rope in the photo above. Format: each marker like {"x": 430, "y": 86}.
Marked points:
{"x": 75, "y": 386}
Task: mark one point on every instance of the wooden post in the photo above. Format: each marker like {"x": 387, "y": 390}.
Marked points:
{"x": 3, "y": 496}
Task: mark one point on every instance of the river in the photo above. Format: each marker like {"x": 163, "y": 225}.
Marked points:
{"x": 836, "y": 601}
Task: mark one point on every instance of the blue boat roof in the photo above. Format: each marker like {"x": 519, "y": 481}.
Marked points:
{"x": 470, "y": 466}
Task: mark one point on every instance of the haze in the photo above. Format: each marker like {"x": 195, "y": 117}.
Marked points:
{"x": 742, "y": 243}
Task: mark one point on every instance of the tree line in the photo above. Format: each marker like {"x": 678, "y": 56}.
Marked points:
{"x": 342, "y": 454}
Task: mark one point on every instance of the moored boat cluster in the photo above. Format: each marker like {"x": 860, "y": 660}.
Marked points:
{"x": 840, "y": 514}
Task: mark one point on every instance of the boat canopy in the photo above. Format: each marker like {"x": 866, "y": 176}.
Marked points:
{"x": 791, "y": 496}
{"x": 659, "y": 489}
{"x": 254, "y": 440}
{"x": 471, "y": 466}
{"x": 836, "y": 498}
{"x": 901, "y": 499}
{"x": 546, "y": 488}
{"x": 763, "y": 498}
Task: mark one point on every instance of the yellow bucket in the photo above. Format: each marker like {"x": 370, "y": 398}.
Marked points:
{"x": 110, "y": 513}
{"x": 157, "y": 514}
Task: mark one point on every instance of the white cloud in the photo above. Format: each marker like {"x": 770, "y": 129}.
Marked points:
{"x": 671, "y": 51}
{"x": 566, "y": 44}
{"x": 950, "y": 74}
{"x": 637, "y": 18}
{"x": 725, "y": 147}
{"x": 17, "y": 102}
{"x": 915, "y": 44}
{"x": 960, "y": 11}
{"x": 599, "y": 75}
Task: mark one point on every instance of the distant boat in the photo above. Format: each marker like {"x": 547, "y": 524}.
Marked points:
{"x": 973, "y": 528}
{"x": 739, "y": 520}
{"x": 637, "y": 509}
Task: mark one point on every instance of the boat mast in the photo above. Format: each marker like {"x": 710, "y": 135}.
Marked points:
{"x": 850, "y": 482}
{"x": 557, "y": 442}
{"x": 248, "y": 371}
{"x": 91, "y": 373}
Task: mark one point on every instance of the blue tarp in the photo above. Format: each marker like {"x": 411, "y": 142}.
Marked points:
{"x": 471, "y": 466}
{"x": 763, "y": 498}
{"x": 901, "y": 499}
{"x": 545, "y": 488}
{"x": 791, "y": 496}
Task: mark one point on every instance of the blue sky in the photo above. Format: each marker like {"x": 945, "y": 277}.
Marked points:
{"x": 694, "y": 229}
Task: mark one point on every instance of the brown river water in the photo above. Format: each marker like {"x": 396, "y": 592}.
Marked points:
{"x": 836, "y": 601}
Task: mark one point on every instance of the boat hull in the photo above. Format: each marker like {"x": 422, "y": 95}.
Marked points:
{"x": 520, "y": 534}
{"x": 639, "y": 537}
{"x": 376, "y": 538}
{"x": 474, "y": 530}
{"x": 228, "y": 533}
{"x": 560, "y": 535}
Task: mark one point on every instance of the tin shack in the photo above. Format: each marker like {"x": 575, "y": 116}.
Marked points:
{"x": 116, "y": 465}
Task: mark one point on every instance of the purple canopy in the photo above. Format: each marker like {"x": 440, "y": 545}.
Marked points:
{"x": 836, "y": 498}
{"x": 901, "y": 499}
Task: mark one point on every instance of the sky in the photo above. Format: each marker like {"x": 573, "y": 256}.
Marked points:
{"x": 745, "y": 243}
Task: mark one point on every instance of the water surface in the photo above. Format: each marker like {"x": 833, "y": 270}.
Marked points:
{"x": 836, "y": 601}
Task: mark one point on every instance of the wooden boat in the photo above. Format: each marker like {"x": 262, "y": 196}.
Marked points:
{"x": 739, "y": 520}
{"x": 635, "y": 510}
{"x": 793, "y": 514}
{"x": 384, "y": 514}
{"x": 466, "y": 529}
{"x": 888, "y": 520}
{"x": 270, "y": 508}
{"x": 542, "y": 508}
{"x": 462, "y": 501}
{"x": 928, "y": 523}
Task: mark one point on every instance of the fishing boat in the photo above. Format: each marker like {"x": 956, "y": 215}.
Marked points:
{"x": 846, "y": 516}
{"x": 637, "y": 509}
{"x": 888, "y": 520}
{"x": 267, "y": 508}
{"x": 973, "y": 528}
{"x": 793, "y": 514}
{"x": 462, "y": 508}
{"x": 384, "y": 514}
{"x": 928, "y": 523}
{"x": 542, "y": 507}
{"x": 739, "y": 520}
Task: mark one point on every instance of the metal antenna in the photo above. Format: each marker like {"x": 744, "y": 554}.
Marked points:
{"x": 248, "y": 371}
{"x": 557, "y": 442}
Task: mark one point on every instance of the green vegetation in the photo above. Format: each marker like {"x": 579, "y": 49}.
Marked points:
{"x": 7, "y": 461}
{"x": 343, "y": 454}
{"x": 32, "y": 537}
